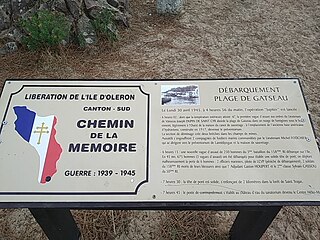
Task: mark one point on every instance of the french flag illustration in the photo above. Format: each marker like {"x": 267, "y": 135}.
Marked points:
{"x": 40, "y": 133}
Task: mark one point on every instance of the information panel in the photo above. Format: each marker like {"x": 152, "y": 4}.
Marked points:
{"x": 168, "y": 141}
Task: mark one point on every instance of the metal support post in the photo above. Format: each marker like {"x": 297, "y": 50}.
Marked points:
{"x": 58, "y": 224}
{"x": 252, "y": 223}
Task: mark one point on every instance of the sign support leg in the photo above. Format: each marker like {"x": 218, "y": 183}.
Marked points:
{"x": 250, "y": 224}
{"x": 58, "y": 224}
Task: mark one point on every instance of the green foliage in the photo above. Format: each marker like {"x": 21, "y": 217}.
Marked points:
{"x": 44, "y": 29}
{"x": 80, "y": 40}
{"x": 105, "y": 26}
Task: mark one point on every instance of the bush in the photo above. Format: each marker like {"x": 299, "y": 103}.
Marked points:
{"x": 44, "y": 29}
{"x": 105, "y": 26}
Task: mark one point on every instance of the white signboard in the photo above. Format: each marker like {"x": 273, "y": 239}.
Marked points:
{"x": 151, "y": 141}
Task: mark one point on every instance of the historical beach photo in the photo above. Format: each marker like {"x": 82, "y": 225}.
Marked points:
{"x": 180, "y": 95}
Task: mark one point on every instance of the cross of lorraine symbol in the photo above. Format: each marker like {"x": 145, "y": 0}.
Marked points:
{"x": 41, "y": 130}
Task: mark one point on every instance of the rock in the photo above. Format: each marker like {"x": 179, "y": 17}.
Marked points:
{"x": 3, "y": 34}
{"x": 60, "y": 6}
{"x": 124, "y": 5}
{"x": 85, "y": 32}
{"x": 12, "y": 35}
{"x": 5, "y": 12}
{"x": 74, "y": 7}
{"x": 169, "y": 6}
{"x": 78, "y": 12}
{"x": 33, "y": 10}
{"x": 15, "y": 35}
{"x": 11, "y": 46}
{"x": 8, "y": 48}
{"x": 95, "y": 7}
{"x": 20, "y": 7}
{"x": 113, "y": 3}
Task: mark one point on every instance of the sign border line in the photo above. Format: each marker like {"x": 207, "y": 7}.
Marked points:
{"x": 89, "y": 193}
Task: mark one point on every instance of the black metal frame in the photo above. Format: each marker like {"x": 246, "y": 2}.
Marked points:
{"x": 250, "y": 224}
{"x": 158, "y": 205}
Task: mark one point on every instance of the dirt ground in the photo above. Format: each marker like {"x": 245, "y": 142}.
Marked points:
{"x": 210, "y": 39}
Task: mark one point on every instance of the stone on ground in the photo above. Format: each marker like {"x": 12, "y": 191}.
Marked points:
{"x": 169, "y": 6}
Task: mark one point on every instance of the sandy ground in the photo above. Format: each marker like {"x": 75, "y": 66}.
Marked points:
{"x": 210, "y": 39}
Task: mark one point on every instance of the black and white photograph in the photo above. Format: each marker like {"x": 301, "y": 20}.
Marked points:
{"x": 180, "y": 95}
